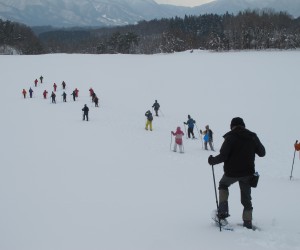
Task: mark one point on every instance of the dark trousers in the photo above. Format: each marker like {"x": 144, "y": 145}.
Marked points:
{"x": 245, "y": 189}
{"x": 191, "y": 131}
{"x": 86, "y": 116}
{"x": 210, "y": 144}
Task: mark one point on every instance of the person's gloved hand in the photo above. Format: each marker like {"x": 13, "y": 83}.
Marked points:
{"x": 210, "y": 160}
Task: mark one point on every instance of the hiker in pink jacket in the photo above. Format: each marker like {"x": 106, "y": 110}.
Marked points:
{"x": 178, "y": 139}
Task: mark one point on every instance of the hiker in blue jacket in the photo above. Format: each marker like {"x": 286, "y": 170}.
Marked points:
{"x": 208, "y": 137}
{"x": 190, "y": 123}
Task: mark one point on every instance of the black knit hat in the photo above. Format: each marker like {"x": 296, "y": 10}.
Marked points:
{"x": 237, "y": 121}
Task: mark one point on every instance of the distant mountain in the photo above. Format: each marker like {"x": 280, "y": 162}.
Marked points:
{"x": 234, "y": 6}
{"x": 84, "y": 12}
{"x": 68, "y": 13}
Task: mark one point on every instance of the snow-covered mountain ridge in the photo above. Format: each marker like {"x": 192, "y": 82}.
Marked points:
{"x": 66, "y": 13}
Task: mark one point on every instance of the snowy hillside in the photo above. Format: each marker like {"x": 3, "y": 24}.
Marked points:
{"x": 110, "y": 184}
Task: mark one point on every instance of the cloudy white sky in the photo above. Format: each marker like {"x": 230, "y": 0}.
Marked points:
{"x": 184, "y": 2}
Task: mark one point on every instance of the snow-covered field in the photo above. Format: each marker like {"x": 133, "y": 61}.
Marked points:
{"x": 108, "y": 184}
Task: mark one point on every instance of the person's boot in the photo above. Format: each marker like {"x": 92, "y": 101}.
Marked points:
{"x": 247, "y": 224}
{"x": 247, "y": 218}
{"x": 223, "y": 210}
{"x": 223, "y": 204}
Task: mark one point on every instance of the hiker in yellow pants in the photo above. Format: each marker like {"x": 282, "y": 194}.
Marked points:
{"x": 149, "y": 116}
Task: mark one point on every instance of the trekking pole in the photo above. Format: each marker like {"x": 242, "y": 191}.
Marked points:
{"x": 213, "y": 172}
{"x": 293, "y": 162}
{"x": 200, "y": 135}
{"x": 198, "y": 130}
{"x": 185, "y": 131}
{"x": 161, "y": 113}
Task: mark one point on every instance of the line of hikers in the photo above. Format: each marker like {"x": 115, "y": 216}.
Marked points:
{"x": 238, "y": 154}
{"x": 207, "y": 133}
{"x": 74, "y": 93}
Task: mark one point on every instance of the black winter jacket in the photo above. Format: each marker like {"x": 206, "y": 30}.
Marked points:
{"x": 238, "y": 152}
{"x": 156, "y": 106}
{"x": 85, "y": 110}
{"x": 149, "y": 115}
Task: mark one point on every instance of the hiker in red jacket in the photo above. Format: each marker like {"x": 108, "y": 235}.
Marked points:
{"x": 178, "y": 140}
{"x": 36, "y": 82}
{"x": 76, "y": 92}
{"x": 24, "y": 92}
{"x": 45, "y": 94}
{"x": 91, "y": 92}
{"x": 54, "y": 86}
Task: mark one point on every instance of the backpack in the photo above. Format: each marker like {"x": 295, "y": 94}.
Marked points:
{"x": 206, "y": 137}
{"x": 150, "y": 117}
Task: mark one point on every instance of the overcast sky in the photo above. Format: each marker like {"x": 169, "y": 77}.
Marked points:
{"x": 184, "y": 2}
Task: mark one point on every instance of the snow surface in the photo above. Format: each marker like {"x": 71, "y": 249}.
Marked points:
{"x": 108, "y": 184}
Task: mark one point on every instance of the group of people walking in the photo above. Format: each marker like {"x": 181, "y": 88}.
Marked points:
{"x": 74, "y": 94}
{"x": 207, "y": 133}
{"x": 237, "y": 152}
{"x": 238, "y": 155}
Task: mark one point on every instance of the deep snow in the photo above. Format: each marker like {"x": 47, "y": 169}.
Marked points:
{"x": 108, "y": 184}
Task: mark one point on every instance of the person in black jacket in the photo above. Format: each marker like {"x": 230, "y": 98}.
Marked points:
{"x": 30, "y": 92}
{"x": 74, "y": 95}
{"x": 53, "y": 96}
{"x": 96, "y": 101}
{"x": 85, "y": 112}
{"x": 64, "y": 95}
{"x": 238, "y": 154}
{"x": 156, "y": 107}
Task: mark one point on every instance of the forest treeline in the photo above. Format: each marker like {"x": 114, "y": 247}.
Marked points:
{"x": 19, "y": 38}
{"x": 248, "y": 30}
